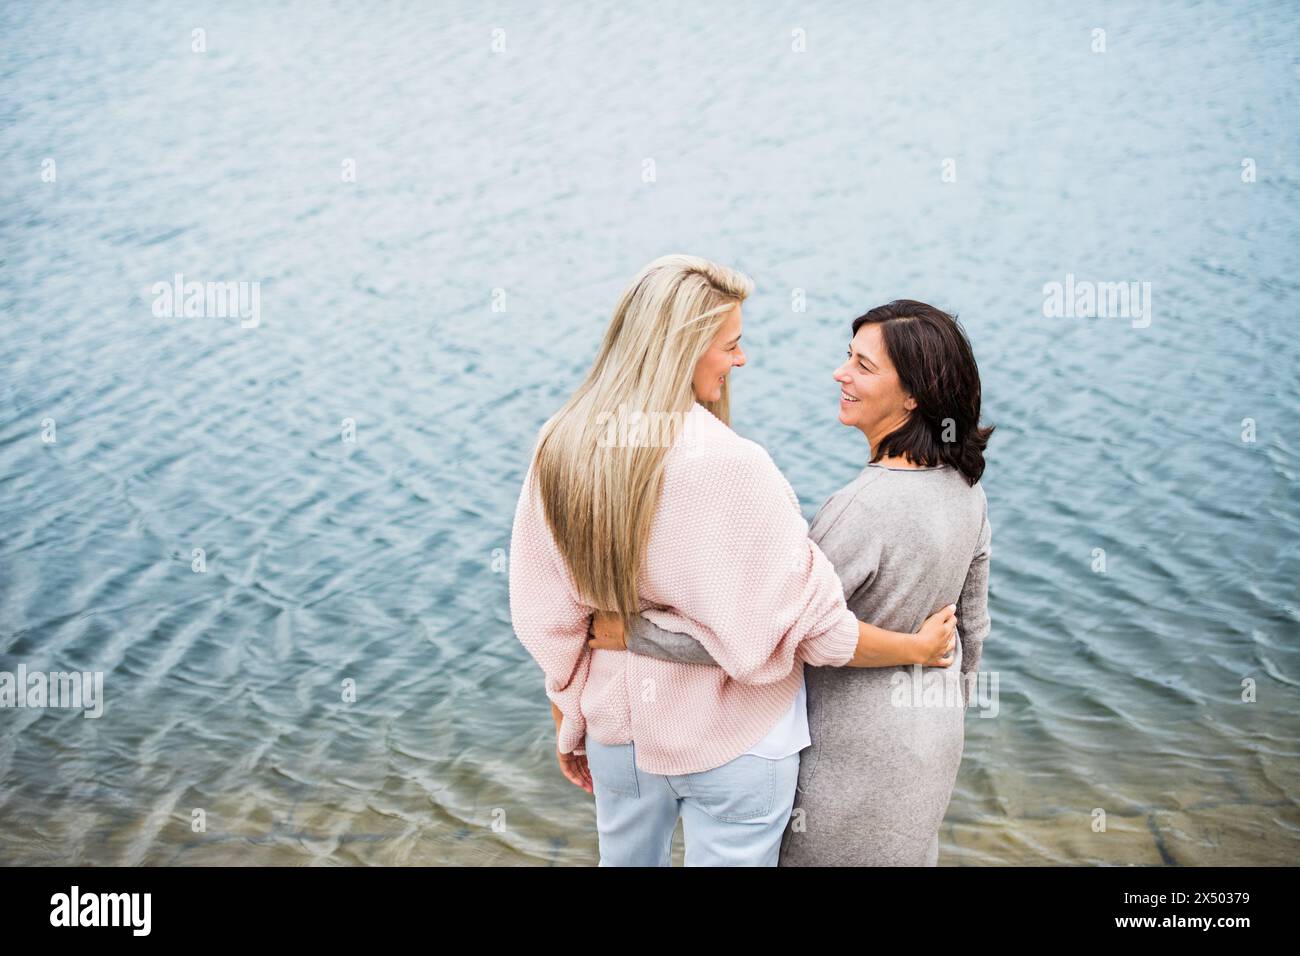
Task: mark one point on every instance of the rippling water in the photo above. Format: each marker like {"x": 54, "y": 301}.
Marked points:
{"x": 381, "y": 560}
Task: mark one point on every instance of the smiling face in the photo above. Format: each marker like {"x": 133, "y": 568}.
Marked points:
{"x": 716, "y": 363}
{"x": 871, "y": 397}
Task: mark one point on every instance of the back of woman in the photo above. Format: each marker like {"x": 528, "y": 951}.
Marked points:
{"x": 912, "y": 539}
{"x": 909, "y": 537}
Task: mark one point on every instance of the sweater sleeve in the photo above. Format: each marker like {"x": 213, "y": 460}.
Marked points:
{"x": 547, "y": 617}
{"x": 973, "y": 621}
{"x": 747, "y": 582}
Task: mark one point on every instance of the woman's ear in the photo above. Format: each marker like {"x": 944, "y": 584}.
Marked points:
{"x": 909, "y": 403}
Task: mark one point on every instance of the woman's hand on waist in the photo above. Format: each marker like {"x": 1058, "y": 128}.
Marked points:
{"x": 606, "y": 632}
{"x": 935, "y": 643}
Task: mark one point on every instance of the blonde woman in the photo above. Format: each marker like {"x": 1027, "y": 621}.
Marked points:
{"x": 689, "y": 516}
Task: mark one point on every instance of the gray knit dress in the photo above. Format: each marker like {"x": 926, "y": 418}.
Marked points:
{"x": 886, "y": 742}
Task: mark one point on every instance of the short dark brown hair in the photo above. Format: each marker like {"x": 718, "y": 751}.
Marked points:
{"x": 937, "y": 368}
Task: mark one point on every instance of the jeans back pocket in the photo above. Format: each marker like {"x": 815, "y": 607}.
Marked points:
{"x": 613, "y": 768}
{"x": 741, "y": 789}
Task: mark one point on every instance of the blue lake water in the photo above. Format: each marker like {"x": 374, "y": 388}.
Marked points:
{"x": 438, "y": 232}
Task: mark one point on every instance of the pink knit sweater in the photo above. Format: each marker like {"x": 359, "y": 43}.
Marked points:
{"x": 728, "y": 550}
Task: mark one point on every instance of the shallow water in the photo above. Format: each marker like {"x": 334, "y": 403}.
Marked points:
{"x": 380, "y": 561}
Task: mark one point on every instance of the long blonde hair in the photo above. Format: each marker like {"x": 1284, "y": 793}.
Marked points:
{"x": 600, "y": 498}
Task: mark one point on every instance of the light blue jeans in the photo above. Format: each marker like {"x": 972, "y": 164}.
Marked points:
{"x": 733, "y": 815}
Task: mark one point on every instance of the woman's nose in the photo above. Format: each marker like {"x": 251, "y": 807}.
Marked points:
{"x": 739, "y": 359}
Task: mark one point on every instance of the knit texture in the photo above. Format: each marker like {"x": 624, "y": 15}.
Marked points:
{"x": 729, "y": 551}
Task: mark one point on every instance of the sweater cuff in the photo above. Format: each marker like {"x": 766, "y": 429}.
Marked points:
{"x": 836, "y": 647}
{"x": 571, "y": 738}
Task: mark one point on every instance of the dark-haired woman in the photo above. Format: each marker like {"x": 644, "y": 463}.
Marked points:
{"x": 909, "y": 534}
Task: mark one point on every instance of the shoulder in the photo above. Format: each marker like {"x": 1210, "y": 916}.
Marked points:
{"x": 904, "y": 497}
{"x": 714, "y": 466}
{"x": 978, "y": 501}
{"x": 707, "y": 445}
{"x": 854, "y": 508}
{"x": 961, "y": 496}
{"x": 970, "y": 505}
{"x": 986, "y": 528}
{"x": 858, "y": 493}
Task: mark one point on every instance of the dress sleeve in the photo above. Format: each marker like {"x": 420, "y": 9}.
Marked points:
{"x": 746, "y": 581}
{"x": 648, "y": 639}
{"x": 547, "y": 616}
{"x": 973, "y": 621}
